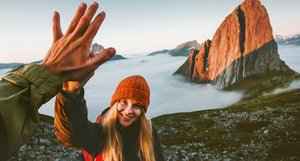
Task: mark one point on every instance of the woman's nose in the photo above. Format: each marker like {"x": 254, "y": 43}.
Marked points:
{"x": 128, "y": 109}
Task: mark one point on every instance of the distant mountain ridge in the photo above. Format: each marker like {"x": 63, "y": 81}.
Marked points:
{"x": 9, "y": 65}
{"x": 288, "y": 40}
{"x": 164, "y": 51}
{"x": 96, "y": 48}
{"x": 117, "y": 57}
{"x": 243, "y": 46}
{"x": 15, "y": 65}
{"x": 182, "y": 49}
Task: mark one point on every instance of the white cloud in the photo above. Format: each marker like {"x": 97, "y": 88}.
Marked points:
{"x": 291, "y": 55}
{"x": 293, "y": 85}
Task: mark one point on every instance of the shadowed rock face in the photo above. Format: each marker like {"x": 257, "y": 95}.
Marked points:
{"x": 242, "y": 46}
{"x": 188, "y": 67}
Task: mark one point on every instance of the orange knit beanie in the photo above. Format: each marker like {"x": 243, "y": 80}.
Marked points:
{"x": 132, "y": 87}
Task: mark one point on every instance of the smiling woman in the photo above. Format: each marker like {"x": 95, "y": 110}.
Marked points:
{"x": 121, "y": 132}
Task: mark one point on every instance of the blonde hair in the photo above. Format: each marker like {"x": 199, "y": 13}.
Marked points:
{"x": 114, "y": 145}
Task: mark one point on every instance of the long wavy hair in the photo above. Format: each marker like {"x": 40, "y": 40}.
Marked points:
{"x": 114, "y": 145}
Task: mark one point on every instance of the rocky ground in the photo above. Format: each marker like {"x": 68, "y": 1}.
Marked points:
{"x": 43, "y": 146}
{"x": 259, "y": 129}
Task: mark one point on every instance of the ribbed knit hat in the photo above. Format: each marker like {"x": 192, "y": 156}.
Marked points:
{"x": 132, "y": 87}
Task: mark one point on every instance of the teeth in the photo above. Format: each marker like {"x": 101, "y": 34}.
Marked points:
{"x": 126, "y": 117}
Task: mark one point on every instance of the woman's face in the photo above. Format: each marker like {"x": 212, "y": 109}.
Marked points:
{"x": 129, "y": 110}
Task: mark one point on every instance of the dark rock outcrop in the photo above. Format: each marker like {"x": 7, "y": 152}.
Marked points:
{"x": 187, "y": 68}
{"x": 117, "y": 57}
{"x": 242, "y": 46}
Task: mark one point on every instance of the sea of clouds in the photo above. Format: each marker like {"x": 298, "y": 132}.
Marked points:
{"x": 169, "y": 94}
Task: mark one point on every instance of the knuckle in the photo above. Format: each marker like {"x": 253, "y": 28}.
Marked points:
{"x": 85, "y": 19}
{"x": 73, "y": 24}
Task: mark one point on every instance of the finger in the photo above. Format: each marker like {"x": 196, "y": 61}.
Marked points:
{"x": 86, "y": 19}
{"x": 57, "y": 34}
{"x": 79, "y": 72}
{"x": 93, "y": 28}
{"x": 79, "y": 13}
{"x": 104, "y": 56}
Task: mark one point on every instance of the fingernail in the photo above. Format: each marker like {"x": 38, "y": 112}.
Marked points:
{"x": 102, "y": 13}
{"x": 95, "y": 4}
{"x": 82, "y": 5}
{"x": 112, "y": 51}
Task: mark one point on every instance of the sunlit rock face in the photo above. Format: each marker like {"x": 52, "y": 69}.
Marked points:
{"x": 242, "y": 46}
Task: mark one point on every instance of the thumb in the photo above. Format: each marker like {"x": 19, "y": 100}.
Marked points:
{"x": 101, "y": 58}
{"x": 57, "y": 34}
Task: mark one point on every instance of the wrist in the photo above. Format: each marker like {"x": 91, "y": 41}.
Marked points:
{"x": 73, "y": 96}
{"x": 71, "y": 91}
{"x": 71, "y": 87}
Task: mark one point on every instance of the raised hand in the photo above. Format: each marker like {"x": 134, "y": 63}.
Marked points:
{"x": 70, "y": 57}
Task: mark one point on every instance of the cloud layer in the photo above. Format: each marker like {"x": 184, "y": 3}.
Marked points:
{"x": 291, "y": 55}
{"x": 169, "y": 94}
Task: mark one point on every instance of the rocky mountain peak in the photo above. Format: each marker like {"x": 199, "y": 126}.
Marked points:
{"x": 96, "y": 48}
{"x": 188, "y": 44}
{"x": 242, "y": 46}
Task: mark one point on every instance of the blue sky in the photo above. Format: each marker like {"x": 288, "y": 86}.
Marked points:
{"x": 132, "y": 27}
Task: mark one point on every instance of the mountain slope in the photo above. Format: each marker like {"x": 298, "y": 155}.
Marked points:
{"x": 257, "y": 128}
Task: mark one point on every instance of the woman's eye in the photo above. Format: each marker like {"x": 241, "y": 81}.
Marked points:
{"x": 138, "y": 106}
{"x": 123, "y": 102}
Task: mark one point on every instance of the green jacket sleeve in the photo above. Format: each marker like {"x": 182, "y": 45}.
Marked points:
{"x": 22, "y": 92}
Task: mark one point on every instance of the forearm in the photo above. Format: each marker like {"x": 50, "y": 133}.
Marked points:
{"x": 72, "y": 126}
{"x": 22, "y": 92}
